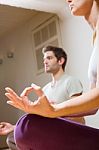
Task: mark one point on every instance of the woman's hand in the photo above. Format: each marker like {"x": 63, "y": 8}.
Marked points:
{"x": 41, "y": 106}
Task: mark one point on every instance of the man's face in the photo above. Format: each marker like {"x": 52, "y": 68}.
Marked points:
{"x": 51, "y": 64}
{"x": 80, "y": 7}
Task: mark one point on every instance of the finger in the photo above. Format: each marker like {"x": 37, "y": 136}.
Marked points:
{"x": 2, "y": 123}
{"x": 26, "y": 91}
{"x": 23, "y": 104}
{"x": 14, "y": 102}
{"x": 2, "y": 126}
{"x": 27, "y": 104}
{"x": 9, "y": 90}
{"x": 12, "y": 97}
{"x": 11, "y": 103}
{"x": 9, "y": 96}
{"x": 37, "y": 89}
{"x": 43, "y": 99}
{"x": 3, "y": 132}
{"x": 15, "y": 105}
{"x": 35, "y": 86}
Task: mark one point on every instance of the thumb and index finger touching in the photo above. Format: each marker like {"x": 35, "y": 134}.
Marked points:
{"x": 33, "y": 88}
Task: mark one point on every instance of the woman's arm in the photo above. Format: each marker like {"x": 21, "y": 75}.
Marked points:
{"x": 84, "y": 103}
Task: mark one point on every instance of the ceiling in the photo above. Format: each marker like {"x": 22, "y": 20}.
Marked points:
{"x": 42, "y": 5}
{"x": 12, "y": 17}
{"x": 15, "y": 12}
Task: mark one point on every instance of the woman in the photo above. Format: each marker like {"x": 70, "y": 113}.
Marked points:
{"x": 89, "y": 101}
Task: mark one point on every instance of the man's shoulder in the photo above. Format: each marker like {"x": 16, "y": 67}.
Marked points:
{"x": 70, "y": 77}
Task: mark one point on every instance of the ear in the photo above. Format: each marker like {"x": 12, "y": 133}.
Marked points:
{"x": 61, "y": 61}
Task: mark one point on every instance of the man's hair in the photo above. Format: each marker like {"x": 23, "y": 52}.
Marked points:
{"x": 58, "y": 52}
{"x": 97, "y": 1}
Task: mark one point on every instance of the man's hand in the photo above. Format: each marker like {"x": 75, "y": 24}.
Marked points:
{"x": 6, "y": 128}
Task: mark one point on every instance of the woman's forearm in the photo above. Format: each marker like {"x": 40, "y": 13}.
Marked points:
{"x": 84, "y": 103}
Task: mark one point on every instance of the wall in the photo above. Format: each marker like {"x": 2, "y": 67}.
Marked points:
{"x": 19, "y": 72}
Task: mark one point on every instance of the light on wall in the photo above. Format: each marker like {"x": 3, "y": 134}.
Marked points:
{"x": 1, "y": 59}
{"x": 10, "y": 54}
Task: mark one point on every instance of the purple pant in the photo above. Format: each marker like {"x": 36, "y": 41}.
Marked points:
{"x": 34, "y": 132}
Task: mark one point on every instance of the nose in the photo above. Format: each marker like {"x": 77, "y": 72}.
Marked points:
{"x": 45, "y": 61}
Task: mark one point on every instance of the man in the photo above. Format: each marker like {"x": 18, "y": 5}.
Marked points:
{"x": 61, "y": 88}
{"x": 55, "y": 60}
{"x": 7, "y": 129}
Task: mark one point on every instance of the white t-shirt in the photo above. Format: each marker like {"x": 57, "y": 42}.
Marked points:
{"x": 63, "y": 89}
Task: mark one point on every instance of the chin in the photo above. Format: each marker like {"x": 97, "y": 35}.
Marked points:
{"x": 77, "y": 13}
{"x": 47, "y": 71}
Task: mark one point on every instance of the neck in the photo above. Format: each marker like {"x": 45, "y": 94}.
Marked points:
{"x": 92, "y": 16}
{"x": 57, "y": 75}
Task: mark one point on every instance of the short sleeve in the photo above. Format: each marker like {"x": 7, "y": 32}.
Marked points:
{"x": 74, "y": 86}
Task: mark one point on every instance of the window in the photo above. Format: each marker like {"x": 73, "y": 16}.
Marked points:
{"x": 47, "y": 33}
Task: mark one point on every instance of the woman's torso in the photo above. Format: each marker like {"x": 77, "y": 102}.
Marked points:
{"x": 92, "y": 71}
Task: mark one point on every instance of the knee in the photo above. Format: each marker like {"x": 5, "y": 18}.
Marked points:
{"x": 11, "y": 142}
{"x": 25, "y": 131}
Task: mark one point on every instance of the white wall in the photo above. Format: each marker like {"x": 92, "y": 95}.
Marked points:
{"x": 19, "y": 72}
{"x": 76, "y": 37}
